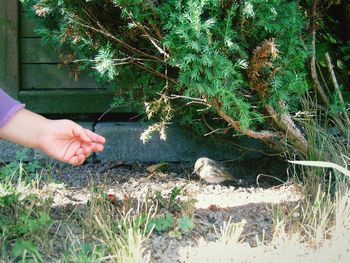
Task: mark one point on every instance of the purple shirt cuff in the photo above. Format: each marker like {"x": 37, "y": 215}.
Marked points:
{"x": 8, "y": 107}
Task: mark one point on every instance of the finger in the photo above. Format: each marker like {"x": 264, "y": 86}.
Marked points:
{"x": 95, "y": 137}
{"x": 96, "y": 147}
{"x": 77, "y": 160}
{"x": 80, "y": 151}
{"x": 80, "y": 132}
{"x": 81, "y": 159}
{"x": 73, "y": 161}
{"x": 87, "y": 149}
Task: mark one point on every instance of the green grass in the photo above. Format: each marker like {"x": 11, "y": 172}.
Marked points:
{"x": 112, "y": 229}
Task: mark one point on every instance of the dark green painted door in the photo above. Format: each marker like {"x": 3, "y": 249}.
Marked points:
{"x": 36, "y": 75}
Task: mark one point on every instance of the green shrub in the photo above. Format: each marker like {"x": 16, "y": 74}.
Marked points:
{"x": 190, "y": 61}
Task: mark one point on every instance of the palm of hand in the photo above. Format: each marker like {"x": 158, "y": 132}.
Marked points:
{"x": 68, "y": 142}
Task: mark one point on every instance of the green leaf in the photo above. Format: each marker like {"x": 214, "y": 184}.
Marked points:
{"x": 185, "y": 224}
{"x": 162, "y": 224}
{"x": 22, "y": 155}
{"x": 22, "y": 246}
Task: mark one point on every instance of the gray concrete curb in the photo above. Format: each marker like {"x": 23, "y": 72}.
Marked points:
{"x": 123, "y": 143}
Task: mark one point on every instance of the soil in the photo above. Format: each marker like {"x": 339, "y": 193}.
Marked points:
{"x": 215, "y": 204}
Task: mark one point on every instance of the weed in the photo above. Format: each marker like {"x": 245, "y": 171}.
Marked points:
{"x": 20, "y": 168}
{"x": 171, "y": 205}
{"x": 162, "y": 223}
{"x": 178, "y": 219}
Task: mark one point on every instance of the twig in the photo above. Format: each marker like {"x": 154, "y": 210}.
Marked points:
{"x": 319, "y": 70}
{"x": 149, "y": 37}
{"x": 155, "y": 15}
{"x": 337, "y": 89}
{"x": 154, "y": 72}
{"x": 211, "y": 132}
{"x": 118, "y": 60}
{"x": 173, "y": 96}
{"x": 270, "y": 176}
{"x": 103, "y": 31}
{"x": 317, "y": 85}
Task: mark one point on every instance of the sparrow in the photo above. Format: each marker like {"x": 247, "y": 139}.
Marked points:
{"x": 213, "y": 172}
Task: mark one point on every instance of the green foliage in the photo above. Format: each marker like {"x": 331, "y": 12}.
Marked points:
{"x": 84, "y": 253}
{"x": 162, "y": 223}
{"x": 177, "y": 220}
{"x": 197, "y": 50}
{"x": 185, "y": 224}
{"x": 19, "y": 167}
{"x": 28, "y": 249}
{"x": 171, "y": 204}
{"x": 167, "y": 222}
{"x": 22, "y": 218}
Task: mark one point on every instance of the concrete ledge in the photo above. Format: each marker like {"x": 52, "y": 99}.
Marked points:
{"x": 123, "y": 143}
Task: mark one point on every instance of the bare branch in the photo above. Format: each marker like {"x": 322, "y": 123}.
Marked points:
{"x": 337, "y": 89}
{"x": 263, "y": 135}
{"x": 173, "y": 96}
{"x": 284, "y": 122}
{"x": 312, "y": 27}
{"x": 154, "y": 72}
{"x": 149, "y": 37}
{"x": 103, "y": 31}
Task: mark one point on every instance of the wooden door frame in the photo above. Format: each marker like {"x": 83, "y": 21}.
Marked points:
{"x": 53, "y": 101}
{"x": 9, "y": 47}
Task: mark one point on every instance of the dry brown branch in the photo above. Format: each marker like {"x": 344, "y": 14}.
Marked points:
{"x": 153, "y": 71}
{"x": 149, "y": 37}
{"x": 263, "y": 135}
{"x": 262, "y": 57}
{"x": 285, "y": 123}
{"x": 337, "y": 89}
{"x": 316, "y": 83}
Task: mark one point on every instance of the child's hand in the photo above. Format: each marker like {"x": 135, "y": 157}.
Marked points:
{"x": 66, "y": 141}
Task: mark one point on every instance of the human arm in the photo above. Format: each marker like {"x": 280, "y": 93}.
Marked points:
{"x": 63, "y": 140}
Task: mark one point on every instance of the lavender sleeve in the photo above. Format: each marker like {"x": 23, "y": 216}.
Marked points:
{"x": 8, "y": 107}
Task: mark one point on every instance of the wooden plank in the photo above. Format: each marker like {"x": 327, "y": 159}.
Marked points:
{"x": 27, "y": 26}
{"x": 33, "y": 50}
{"x": 67, "y": 101}
{"x": 53, "y": 76}
{"x": 9, "y": 59}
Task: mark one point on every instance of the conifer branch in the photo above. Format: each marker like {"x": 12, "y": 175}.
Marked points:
{"x": 153, "y": 71}
{"x": 149, "y": 37}
{"x": 154, "y": 27}
{"x": 262, "y": 135}
{"x": 103, "y": 31}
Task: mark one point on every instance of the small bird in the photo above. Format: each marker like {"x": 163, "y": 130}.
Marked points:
{"x": 213, "y": 172}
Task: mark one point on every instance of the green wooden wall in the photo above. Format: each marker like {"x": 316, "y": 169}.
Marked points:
{"x": 35, "y": 74}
